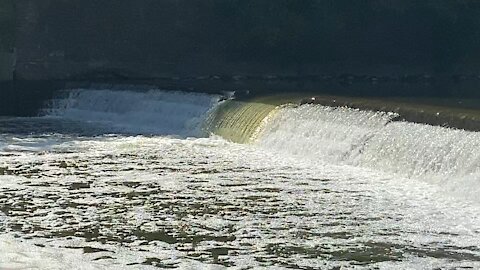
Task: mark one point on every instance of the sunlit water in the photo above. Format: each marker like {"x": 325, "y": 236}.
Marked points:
{"x": 87, "y": 187}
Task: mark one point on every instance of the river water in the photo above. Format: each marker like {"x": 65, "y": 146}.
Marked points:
{"x": 132, "y": 180}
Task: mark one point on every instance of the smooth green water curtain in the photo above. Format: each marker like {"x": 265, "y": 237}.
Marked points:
{"x": 241, "y": 121}
{"x": 238, "y": 121}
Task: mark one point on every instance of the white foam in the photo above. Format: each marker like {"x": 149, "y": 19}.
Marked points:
{"x": 319, "y": 203}
{"x": 438, "y": 155}
{"x": 20, "y": 254}
{"x": 257, "y": 203}
{"x": 152, "y": 112}
{"x": 321, "y": 133}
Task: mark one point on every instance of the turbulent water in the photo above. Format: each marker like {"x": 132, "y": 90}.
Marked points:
{"x": 136, "y": 180}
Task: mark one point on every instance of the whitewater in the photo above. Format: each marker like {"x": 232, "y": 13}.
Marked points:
{"x": 148, "y": 179}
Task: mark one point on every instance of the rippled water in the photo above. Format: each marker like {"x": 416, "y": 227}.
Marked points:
{"x": 75, "y": 200}
{"x": 166, "y": 202}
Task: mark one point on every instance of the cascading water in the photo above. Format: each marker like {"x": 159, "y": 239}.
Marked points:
{"x": 321, "y": 133}
{"x": 238, "y": 121}
{"x": 152, "y": 112}
{"x": 371, "y": 139}
{"x": 334, "y": 135}
{"x": 94, "y": 183}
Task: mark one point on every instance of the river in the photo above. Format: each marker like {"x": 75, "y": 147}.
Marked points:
{"x": 136, "y": 180}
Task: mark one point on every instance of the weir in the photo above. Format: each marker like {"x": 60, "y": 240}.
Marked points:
{"x": 372, "y": 140}
{"x": 244, "y": 134}
{"x": 149, "y": 112}
{"x": 238, "y": 121}
{"x": 143, "y": 160}
{"x": 337, "y": 135}
{"x": 352, "y": 137}
{"x": 454, "y": 113}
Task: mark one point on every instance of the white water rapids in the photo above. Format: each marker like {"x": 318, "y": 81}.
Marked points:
{"x": 132, "y": 180}
{"x": 127, "y": 112}
{"x": 450, "y": 158}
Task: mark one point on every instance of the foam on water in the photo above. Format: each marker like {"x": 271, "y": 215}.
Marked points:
{"x": 19, "y": 254}
{"x": 320, "y": 188}
{"x": 136, "y": 112}
{"x": 134, "y": 202}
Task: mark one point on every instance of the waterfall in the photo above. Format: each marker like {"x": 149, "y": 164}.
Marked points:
{"x": 135, "y": 112}
{"x": 345, "y": 136}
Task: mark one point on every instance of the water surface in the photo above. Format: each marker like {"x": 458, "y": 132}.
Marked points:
{"x": 319, "y": 188}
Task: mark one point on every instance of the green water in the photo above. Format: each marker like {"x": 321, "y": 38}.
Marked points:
{"x": 240, "y": 121}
